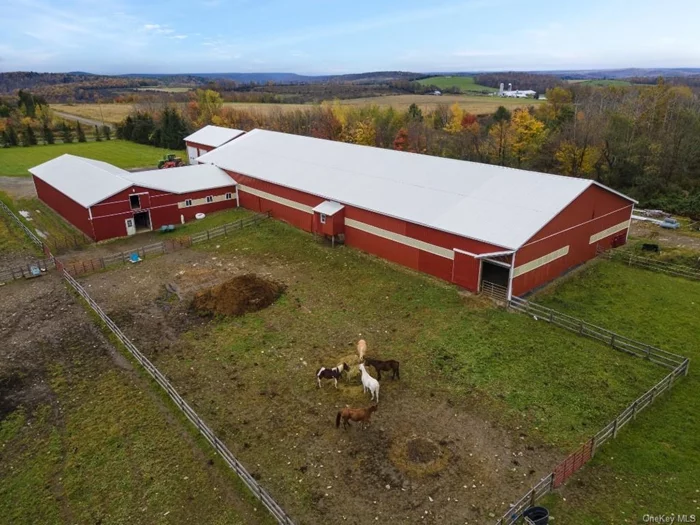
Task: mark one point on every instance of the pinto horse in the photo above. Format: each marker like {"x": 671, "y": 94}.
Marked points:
{"x": 369, "y": 383}
{"x": 331, "y": 373}
{"x": 386, "y": 366}
{"x": 354, "y": 414}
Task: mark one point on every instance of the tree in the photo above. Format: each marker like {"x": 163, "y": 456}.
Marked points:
{"x": 415, "y": 113}
{"x": 209, "y": 104}
{"x": 365, "y": 133}
{"x": 107, "y": 132}
{"x": 401, "y": 140}
{"x": 172, "y": 130}
{"x": 29, "y": 137}
{"x": 66, "y": 133}
{"x": 80, "y": 132}
{"x": 11, "y": 138}
{"x": 576, "y": 161}
{"x": 98, "y": 138}
{"x": 527, "y": 136}
{"x": 498, "y": 135}
{"x": 47, "y": 133}
{"x": 455, "y": 123}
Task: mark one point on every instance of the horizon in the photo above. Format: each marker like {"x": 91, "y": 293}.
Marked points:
{"x": 118, "y": 37}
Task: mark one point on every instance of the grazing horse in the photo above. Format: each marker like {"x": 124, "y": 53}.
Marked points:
{"x": 354, "y": 414}
{"x": 331, "y": 373}
{"x": 361, "y": 348}
{"x": 369, "y": 383}
{"x": 386, "y": 366}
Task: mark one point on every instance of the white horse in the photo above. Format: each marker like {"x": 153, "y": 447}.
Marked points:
{"x": 369, "y": 383}
{"x": 361, "y": 349}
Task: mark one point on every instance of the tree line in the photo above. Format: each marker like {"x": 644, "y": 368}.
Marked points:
{"x": 642, "y": 140}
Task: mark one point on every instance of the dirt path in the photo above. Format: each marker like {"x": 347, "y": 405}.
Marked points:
{"x": 669, "y": 238}
{"x": 18, "y": 187}
{"x": 82, "y": 120}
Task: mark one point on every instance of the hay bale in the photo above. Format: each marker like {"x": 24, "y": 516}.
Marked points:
{"x": 242, "y": 294}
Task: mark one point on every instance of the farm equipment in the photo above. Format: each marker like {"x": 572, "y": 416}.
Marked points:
{"x": 670, "y": 223}
{"x": 169, "y": 161}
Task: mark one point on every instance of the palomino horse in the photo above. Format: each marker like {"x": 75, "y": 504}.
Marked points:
{"x": 361, "y": 349}
{"x": 369, "y": 383}
{"x": 386, "y": 366}
{"x": 331, "y": 373}
{"x": 354, "y": 414}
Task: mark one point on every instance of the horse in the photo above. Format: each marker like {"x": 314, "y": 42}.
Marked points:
{"x": 361, "y": 348}
{"x": 331, "y": 373}
{"x": 369, "y": 383}
{"x": 386, "y": 366}
{"x": 354, "y": 414}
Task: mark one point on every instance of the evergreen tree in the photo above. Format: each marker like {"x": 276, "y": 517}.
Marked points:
{"x": 66, "y": 133}
{"x": 173, "y": 130}
{"x": 81, "y": 133}
{"x": 29, "y": 137}
{"x": 415, "y": 113}
{"x": 48, "y": 134}
{"x": 11, "y": 134}
{"x": 98, "y": 138}
{"x": 106, "y": 132}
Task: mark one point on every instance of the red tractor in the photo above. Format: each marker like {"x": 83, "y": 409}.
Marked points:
{"x": 170, "y": 161}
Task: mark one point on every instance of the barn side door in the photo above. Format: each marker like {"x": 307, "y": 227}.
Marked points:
{"x": 466, "y": 270}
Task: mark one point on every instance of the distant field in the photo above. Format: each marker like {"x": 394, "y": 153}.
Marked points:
{"x": 479, "y": 105}
{"x": 463, "y": 83}
{"x": 165, "y": 89}
{"x": 602, "y": 83}
{"x": 121, "y": 153}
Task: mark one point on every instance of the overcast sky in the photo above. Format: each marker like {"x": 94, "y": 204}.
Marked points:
{"x": 327, "y": 36}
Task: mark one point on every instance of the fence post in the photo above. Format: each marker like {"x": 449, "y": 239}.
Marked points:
{"x": 687, "y": 366}
{"x": 593, "y": 446}
{"x": 615, "y": 428}
{"x": 207, "y": 234}
{"x": 634, "y": 409}
{"x": 653, "y": 394}
{"x": 551, "y": 316}
{"x": 612, "y": 341}
{"x": 532, "y": 497}
{"x": 225, "y": 231}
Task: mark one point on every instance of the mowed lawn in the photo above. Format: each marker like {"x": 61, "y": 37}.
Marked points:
{"x": 124, "y": 154}
{"x": 463, "y": 83}
{"x": 653, "y": 467}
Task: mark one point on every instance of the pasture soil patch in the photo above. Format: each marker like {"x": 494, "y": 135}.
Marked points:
{"x": 488, "y": 402}
{"x": 85, "y": 438}
{"x": 240, "y": 295}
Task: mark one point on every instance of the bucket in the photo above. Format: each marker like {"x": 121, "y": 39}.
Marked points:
{"x": 537, "y": 515}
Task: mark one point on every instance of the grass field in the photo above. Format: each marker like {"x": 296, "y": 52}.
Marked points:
{"x": 479, "y": 105}
{"x": 465, "y": 84}
{"x": 165, "y": 89}
{"x": 652, "y": 467}
{"x": 121, "y": 153}
{"x": 601, "y": 83}
{"x": 465, "y": 367}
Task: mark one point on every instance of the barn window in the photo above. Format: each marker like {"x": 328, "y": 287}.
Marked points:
{"x": 229, "y": 196}
{"x": 210, "y": 199}
{"x": 135, "y": 202}
{"x": 188, "y": 202}
{"x": 323, "y": 218}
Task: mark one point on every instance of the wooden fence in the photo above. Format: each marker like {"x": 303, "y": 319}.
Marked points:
{"x": 81, "y": 267}
{"x": 30, "y": 233}
{"x": 275, "y": 509}
{"x": 679, "y": 366}
{"x": 25, "y": 271}
{"x": 631, "y": 259}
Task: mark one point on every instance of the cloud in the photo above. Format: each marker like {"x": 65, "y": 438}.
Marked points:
{"x": 158, "y": 29}
{"x": 179, "y": 37}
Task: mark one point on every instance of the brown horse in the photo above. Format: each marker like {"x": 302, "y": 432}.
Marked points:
{"x": 386, "y": 366}
{"x": 354, "y": 414}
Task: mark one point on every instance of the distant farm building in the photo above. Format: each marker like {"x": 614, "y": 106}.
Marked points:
{"x": 207, "y": 139}
{"x": 464, "y": 222}
{"x": 104, "y": 201}
{"x": 518, "y": 93}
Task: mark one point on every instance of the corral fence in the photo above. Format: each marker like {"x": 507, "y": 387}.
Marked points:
{"x": 631, "y": 259}
{"x": 80, "y": 267}
{"x": 678, "y": 365}
{"x": 25, "y": 271}
{"x": 495, "y": 291}
{"x": 59, "y": 243}
{"x": 275, "y": 509}
{"x": 19, "y": 222}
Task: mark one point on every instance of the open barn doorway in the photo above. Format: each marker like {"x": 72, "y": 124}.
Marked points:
{"x": 142, "y": 221}
{"x": 494, "y": 273}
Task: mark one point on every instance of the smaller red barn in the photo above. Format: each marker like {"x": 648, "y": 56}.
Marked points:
{"x": 104, "y": 201}
{"x": 207, "y": 139}
{"x": 329, "y": 220}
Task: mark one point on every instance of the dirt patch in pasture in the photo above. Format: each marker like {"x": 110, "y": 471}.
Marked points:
{"x": 241, "y": 295}
{"x": 425, "y": 458}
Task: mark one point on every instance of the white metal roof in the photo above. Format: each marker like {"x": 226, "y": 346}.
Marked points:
{"x": 501, "y": 206}
{"x": 183, "y": 179}
{"x": 214, "y": 136}
{"x": 86, "y": 181}
{"x": 329, "y": 207}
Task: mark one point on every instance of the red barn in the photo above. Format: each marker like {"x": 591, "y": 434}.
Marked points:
{"x": 207, "y": 139}
{"x": 104, "y": 201}
{"x": 464, "y": 222}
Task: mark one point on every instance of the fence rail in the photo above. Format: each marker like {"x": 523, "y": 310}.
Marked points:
{"x": 495, "y": 291}
{"x": 275, "y": 509}
{"x": 25, "y": 271}
{"x": 650, "y": 264}
{"x": 679, "y": 366}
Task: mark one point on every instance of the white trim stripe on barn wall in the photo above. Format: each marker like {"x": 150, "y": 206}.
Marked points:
{"x": 401, "y": 239}
{"x": 203, "y": 200}
{"x": 609, "y": 231}
{"x": 274, "y": 198}
{"x": 540, "y": 261}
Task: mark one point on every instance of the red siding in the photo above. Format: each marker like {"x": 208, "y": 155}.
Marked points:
{"x": 466, "y": 271}
{"x": 70, "y": 210}
{"x": 201, "y": 147}
{"x": 596, "y": 209}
